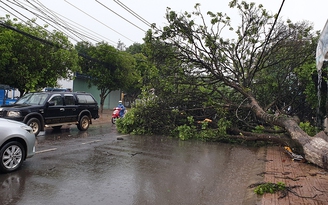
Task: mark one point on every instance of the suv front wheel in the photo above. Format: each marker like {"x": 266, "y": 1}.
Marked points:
{"x": 35, "y": 124}
{"x": 84, "y": 123}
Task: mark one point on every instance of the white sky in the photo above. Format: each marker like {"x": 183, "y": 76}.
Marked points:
{"x": 103, "y": 24}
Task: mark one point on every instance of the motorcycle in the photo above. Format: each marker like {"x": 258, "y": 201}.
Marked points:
{"x": 116, "y": 114}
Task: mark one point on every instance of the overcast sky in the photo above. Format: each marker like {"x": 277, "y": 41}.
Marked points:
{"x": 108, "y": 21}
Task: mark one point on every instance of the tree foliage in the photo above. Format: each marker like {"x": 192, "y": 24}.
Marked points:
{"x": 259, "y": 61}
{"x": 144, "y": 72}
{"x": 250, "y": 76}
{"x": 33, "y": 58}
{"x": 107, "y": 68}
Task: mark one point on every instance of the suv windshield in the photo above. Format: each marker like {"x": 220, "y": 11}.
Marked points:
{"x": 33, "y": 99}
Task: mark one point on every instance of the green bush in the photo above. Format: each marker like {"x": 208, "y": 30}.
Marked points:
{"x": 187, "y": 131}
{"x": 269, "y": 188}
{"x": 258, "y": 129}
{"x": 223, "y": 125}
{"x": 308, "y": 128}
{"x": 151, "y": 116}
{"x": 147, "y": 117}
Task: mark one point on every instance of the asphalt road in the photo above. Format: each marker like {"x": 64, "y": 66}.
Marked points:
{"x": 97, "y": 167}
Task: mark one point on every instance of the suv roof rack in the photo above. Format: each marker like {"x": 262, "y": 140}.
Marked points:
{"x": 58, "y": 89}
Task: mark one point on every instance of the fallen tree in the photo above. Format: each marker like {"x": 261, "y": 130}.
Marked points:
{"x": 257, "y": 63}
{"x": 315, "y": 149}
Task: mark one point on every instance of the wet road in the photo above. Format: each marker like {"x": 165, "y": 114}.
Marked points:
{"x": 94, "y": 167}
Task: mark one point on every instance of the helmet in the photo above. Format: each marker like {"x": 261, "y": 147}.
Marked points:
{"x": 120, "y": 101}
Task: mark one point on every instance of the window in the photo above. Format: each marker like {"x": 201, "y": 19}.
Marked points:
{"x": 69, "y": 99}
{"x": 85, "y": 99}
{"x": 33, "y": 99}
{"x": 57, "y": 99}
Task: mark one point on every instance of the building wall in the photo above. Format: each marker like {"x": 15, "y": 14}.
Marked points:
{"x": 81, "y": 85}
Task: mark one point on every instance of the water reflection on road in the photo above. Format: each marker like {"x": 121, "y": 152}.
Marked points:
{"x": 95, "y": 168}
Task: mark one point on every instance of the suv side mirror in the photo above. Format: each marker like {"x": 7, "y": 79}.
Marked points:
{"x": 51, "y": 103}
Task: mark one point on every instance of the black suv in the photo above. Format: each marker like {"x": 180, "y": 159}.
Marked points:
{"x": 53, "y": 109}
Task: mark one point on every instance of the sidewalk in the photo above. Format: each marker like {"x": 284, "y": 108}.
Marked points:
{"x": 311, "y": 181}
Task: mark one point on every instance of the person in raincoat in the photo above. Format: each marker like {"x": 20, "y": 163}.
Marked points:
{"x": 122, "y": 111}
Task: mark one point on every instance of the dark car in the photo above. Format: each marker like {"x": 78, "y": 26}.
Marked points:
{"x": 53, "y": 109}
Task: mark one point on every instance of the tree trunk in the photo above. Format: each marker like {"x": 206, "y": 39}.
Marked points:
{"x": 101, "y": 105}
{"x": 250, "y": 136}
{"x": 104, "y": 92}
{"x": 315, "y": 149}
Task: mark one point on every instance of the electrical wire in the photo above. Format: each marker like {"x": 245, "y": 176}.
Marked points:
{"x": 52, "y": 43}
{"x": 15, "y": 11}
{"x": 85, "y": 30}
{"x": 64, "y": 25}
{"x": 12, "y": 14}
{"x": 56, "y": 21}
{"x": 133, "y": 13}
{"x": 21, "y": 6}
{"x": 98, "y": 20}
{"x": 46, "y": 19}
{"x": 119, "y": 15}
{"x": 49, "y": 17}
{"x": 43, "y": 10}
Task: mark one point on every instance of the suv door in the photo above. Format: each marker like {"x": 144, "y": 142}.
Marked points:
{"x": 55, "y": 112}
{"x": 70, "y": 107}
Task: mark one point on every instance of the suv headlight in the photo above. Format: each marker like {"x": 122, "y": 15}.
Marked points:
{"x": 13, "y": 114}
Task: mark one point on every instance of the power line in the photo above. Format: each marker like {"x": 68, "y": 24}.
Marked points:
{"x": 133, "y": 13}
{"x": 45, "y": 16}
{"x": 29, "y": 35}
{"x": 97, "y": 20}
{"x": 44, "y": 10}
{"x": 119, "y": 15}
{"x": 86, "y": 30}
{"x": 12, "y": 14}
{"x": 66, "y": 26}
{"x": 15, "y": 11}
{"x": 71, "y": 27}
{"x": 51, "y": 43}
{"x": 21, "y": 6}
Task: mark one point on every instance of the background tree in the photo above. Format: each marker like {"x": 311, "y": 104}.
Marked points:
{"x": 145, "y": 70}
{"x": 135, "y": 48}
{"x": 33, "y": 58}
{"x": 108, "y": 68}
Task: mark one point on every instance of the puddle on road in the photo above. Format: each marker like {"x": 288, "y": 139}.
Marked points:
{"x": 140, "y": 170}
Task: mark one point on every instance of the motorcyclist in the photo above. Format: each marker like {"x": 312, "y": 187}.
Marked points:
{"x": 122, "y": 111}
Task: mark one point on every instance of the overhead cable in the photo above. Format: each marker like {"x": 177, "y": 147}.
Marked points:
{"x": 69, "y": 26}
{"x": 97, "y": 20}
{"x": 52, "y": 17}
{"x": 37, "y": 15}
{"x": 119, "y": 15}
{"x": 12, "y": 14}
{"x": 51, "y": 43}
{"x": 46, "y": 19}
{"x": 14, "y": 10}
{"x": 132, "y": 12}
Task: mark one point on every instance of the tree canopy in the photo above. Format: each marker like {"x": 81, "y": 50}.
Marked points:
{"x": 108, "y": 68}
{"x": 260, "y": 60}
{"x": 246, "y": 82}
{"x": 33, "y": 58}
